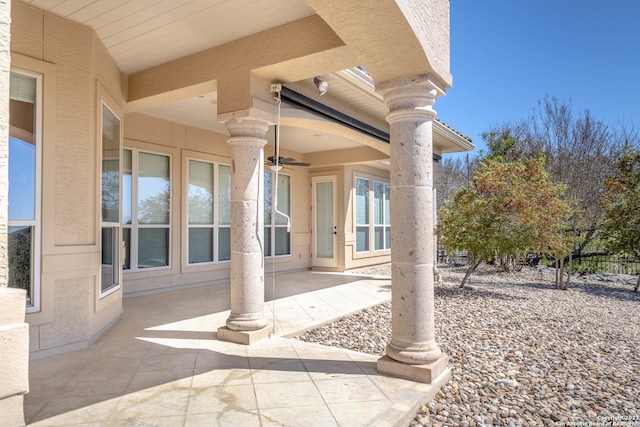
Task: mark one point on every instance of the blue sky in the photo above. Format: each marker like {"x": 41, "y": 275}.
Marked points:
{"x": 506, "y": 55}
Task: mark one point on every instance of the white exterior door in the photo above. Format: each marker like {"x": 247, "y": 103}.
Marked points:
{"x": 325, "y": 227}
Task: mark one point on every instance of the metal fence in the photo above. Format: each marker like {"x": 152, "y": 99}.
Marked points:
{"x": 452, "y": 257}
{"x": 614, "y": 264}
{"x": 608, "y": 264}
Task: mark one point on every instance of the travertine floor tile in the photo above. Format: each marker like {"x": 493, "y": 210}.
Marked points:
{"x": 287, "y": 395}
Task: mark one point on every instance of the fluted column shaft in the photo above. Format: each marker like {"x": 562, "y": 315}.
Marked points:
{"x": 410, "y": 117}
{"x": 247, "y": 223}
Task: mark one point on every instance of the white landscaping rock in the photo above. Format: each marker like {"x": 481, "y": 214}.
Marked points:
{"x": 522, "y": 352}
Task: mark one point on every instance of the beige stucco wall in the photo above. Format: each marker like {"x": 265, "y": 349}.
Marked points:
{"x": 183, "y": 143}
{"x": 418, "y": 44}
{"x": 14, "y": 348}
{"x": 430, "y": 21}
{"x": 77, "y": 74}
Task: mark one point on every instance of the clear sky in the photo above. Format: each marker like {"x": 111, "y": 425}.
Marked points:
{"x": 506, "y": 55}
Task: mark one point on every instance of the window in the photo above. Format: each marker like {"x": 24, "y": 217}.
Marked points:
{"x": 110, "y": 190}
{"x": 209, "y": 212}
{"x": 362, "y": 215}
{"x": 372, "y": 200}
{"x": 25, "y": 122}
{"x": 146, "y": 207}
{"x": 277, "y": 232}
{"x": 381, "y": 209}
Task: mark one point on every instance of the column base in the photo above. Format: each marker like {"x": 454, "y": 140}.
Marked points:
{"x": 242, "y": 337}
{"x": 246, "y": 321}
{"x": 430, "y": 373}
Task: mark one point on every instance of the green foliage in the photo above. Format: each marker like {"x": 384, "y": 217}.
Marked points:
{"x": 508, "y": 209}
{"x": 621, "y": 226}
{"x": 501, "y": 144}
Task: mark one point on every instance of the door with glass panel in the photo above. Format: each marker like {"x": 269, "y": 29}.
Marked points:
{"x": 325, "y": 225}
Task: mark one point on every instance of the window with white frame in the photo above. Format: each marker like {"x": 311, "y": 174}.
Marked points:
{"x": 381, "y": 221}
{"x": 146, "y": 209}
{"x": 209, "y": 212}
{"x": 110, "y": 190}
{"x": 277, "y": 234}
{"x": 372, "y": 206}
{"x": 362, "y": 219}
{"x": 25, "y": 146}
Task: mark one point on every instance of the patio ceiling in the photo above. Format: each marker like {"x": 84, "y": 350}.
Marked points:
{"x": 145, "y": 33}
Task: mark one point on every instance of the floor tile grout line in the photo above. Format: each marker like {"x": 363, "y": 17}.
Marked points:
{"x": 326, "y": 404}
{"x": 193, "y": 372}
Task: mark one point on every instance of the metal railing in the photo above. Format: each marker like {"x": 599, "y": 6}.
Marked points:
{"x": 614, "y": 264}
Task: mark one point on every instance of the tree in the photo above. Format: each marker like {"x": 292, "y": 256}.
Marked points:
{"x": 501, "y": 144}
{"x": 508, "y": 209}
{"x": 453, "y": 174}
{"x": 621, "y": 225}
{"x": 580, "y": 152}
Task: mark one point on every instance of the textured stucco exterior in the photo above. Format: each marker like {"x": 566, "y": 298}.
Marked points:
{"x": 14, "y": 348}
{"x": 404, "y": 51}
{"x": 431, "y": 23}
{"x": 78, "y": 72}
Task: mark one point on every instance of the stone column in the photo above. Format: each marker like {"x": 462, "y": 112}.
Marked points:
{"x": 412, "y": 352}
{"x": 247, "y": 230}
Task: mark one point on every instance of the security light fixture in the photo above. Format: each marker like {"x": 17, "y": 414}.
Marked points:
{"x": 322, "y": 86}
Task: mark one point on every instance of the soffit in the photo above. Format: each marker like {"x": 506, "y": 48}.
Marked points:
{"x": 144, "y": 33}
{"x": 201, "y": 112}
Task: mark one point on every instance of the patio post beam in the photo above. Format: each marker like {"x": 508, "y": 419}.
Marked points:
{"x": 413, "y": 351}
{"x": 247, "y": 143}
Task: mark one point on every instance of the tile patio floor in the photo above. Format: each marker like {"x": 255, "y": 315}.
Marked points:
{"x": 161, "y": 365}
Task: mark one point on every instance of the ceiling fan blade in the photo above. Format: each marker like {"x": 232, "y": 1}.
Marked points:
{"x": 288, "y": 161}
{"x": 297, "y": 164}
{"x": 281, "y": 160}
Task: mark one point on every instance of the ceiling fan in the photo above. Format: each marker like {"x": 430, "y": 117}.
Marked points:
{"x": 276, "y": 162}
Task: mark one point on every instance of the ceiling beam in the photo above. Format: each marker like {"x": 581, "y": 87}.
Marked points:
{"x": 236, "y": 60}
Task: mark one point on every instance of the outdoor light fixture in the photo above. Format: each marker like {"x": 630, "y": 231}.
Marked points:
{"x": 321, "y": 85}
{"x": 275, "y": 168}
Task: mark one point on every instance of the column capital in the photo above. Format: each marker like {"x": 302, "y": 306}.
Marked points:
{"x": 424, "y": 80}
{"x": 410, "y": 97}
{"x": 241, "y": 128}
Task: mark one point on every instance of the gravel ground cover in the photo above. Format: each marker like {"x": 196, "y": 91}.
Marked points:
{"x": 522, "y": 353}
